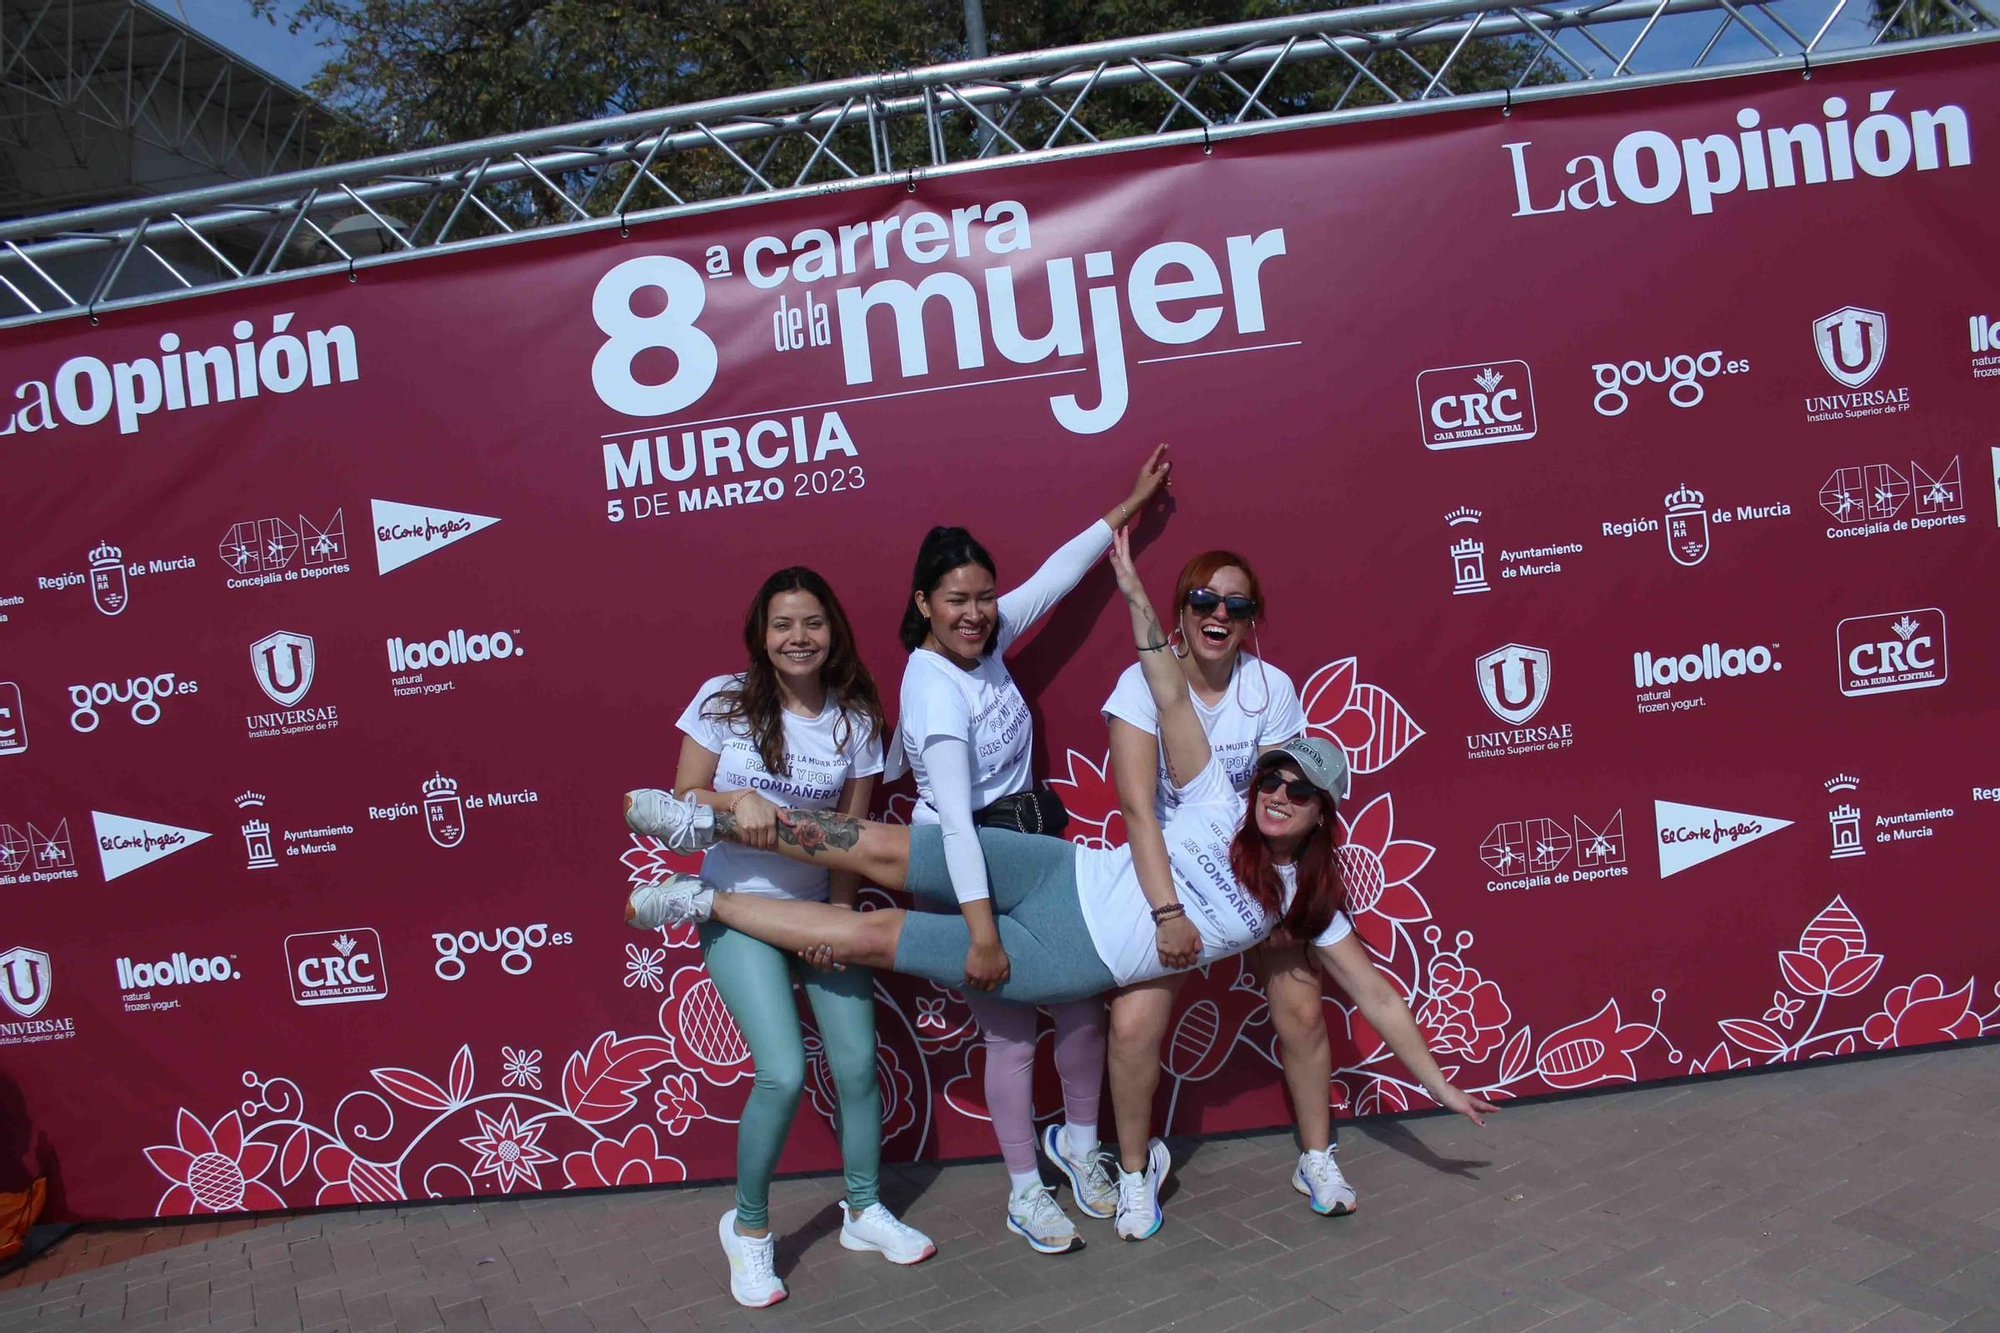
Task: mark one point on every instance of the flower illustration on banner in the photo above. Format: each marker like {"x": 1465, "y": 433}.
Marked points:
{"x": 645, "y": 967}
{"x": 635, "y": 1160}
{"x": 212, "y": 1171}
{"x": 706, "y": 1039}
{"x": 1376, "y": 869}
{"x": 347, "y": 1178}
{"x": 1922, "y": 1012}
{"x": 524, "y": 1068}
{"x": 508, "y": 1150}
{"x": 678, "y": 1104}
{"x": 1597, "y": 1050}
{"x": 1720, "y": 1060}
{"x": 944, "y": 1021}
{"x": 1463, "y": 1014}
{"x": 1783, "y": 1009}
{"x": 1091, "y": 797}
{"x": 1832, "y": 957}
{"x": 1364, "y": 720}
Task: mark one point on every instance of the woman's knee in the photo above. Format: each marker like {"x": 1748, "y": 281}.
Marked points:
{"x": 782, "y": 1074}
{"x": 1139, "y": 1021}
{"x": 1297, "y": 1014}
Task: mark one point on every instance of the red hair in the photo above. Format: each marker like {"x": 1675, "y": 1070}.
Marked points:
{"x": 1197, "y": 572}
{"x": 1317, "y": 865}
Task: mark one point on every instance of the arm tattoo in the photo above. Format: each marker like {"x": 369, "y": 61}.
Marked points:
{"x": 812, "y": 831}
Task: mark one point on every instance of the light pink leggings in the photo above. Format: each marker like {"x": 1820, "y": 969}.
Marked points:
{"x": 1010, "y": 1068}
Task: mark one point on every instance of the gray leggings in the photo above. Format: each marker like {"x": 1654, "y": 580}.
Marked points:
{"x": 1049, "y": 953}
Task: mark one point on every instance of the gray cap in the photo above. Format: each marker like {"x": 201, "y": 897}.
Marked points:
{"x": 1319, "y": 761}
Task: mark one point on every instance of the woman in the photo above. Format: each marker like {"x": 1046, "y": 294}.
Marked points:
{"x": 800, "y": 728}
{"x": 1246, "y": 707}
{"x": 967, "y": 737}
{"x": 1076, "y": 920}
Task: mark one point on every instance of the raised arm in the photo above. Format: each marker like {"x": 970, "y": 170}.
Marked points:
{"x": 1063, "y": 570}
{"x": 1135, "y": 770}
{"x": 1183, "y": 743}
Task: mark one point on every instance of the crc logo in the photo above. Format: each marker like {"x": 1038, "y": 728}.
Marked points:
{"x": 284, "y": 665}
{"x": 1898, "y": 650}
{"x": 336, "y": 966}
{"x": 1514, "y": 681}
{"x": 1683, "y": 374}
{"x": 1851, "y": 343}
{"x": 26, "y": 980}
{"x": 142, "y": 693}
{"x": 512, "y": 943}
{"x": 629, "y": 336}
{"x": 1491, "y": 402}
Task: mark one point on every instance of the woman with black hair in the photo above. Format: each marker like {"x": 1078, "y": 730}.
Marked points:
{"x": 800, "y": 728}
{"x": 967, "y": 737}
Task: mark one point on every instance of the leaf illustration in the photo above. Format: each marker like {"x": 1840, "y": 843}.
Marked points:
{"x": 461, "y": 1075}
{"x": 294, "y": 1156}
{"x": 1752, "y": 1035}
{"x": 599, "y": 1086}
{"x": 1514, "y": 1059}
{"x": 407, "y": 1085}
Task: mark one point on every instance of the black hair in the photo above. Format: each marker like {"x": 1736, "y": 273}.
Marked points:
{"x": 944, "y": 549}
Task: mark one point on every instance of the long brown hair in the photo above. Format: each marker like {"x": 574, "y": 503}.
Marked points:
{"x": 756, "y": 702}
{"x": 1317, "y": 865}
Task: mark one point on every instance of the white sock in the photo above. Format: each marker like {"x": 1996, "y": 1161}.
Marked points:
{"x": 1023, "y": 1181}
{"x": 1078, "y": 1140}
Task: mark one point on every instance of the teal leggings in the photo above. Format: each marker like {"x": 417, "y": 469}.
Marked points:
{"x": 755, "y": 981}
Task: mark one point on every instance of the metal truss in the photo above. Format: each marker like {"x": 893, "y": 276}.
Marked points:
{"x": 1197, "y": 86}
{"x": 102, "y": 99}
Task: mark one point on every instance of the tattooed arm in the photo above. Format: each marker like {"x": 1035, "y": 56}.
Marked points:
{"x": 1183, "y": 743}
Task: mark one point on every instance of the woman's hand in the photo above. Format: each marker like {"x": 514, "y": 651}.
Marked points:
{"x": 986, "y": 965}
{"x": 1472, "y": 1108}
{"x": 821, "y": 956}
{"x": 756, "y": 820}
{"x": 1153, "y": 474}
{"x": 1129, "y": 582}
{"x": 1179, "y": 943}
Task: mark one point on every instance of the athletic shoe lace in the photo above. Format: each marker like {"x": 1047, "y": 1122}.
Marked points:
{"x": 884, "y": 1221}
{"x": 1323, "y": 1171}
{"x": 1038, "y": 1208}
{"x": 1131, "y": 1192}
{"x": 760, "y": 1260}
{"x": 1097, "y": 1173}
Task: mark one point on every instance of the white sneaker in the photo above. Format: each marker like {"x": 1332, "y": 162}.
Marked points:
{"x": 1036, "y": 1217}
{"x": 880, "y": 1230}
{"x": 753, "y": 1275}
{"x": 678, "y": 899}
{"x": 685, "y": 826}
{"x": 1139, "y": 1214}
{"x": 1089, "y": 1177}
{"x": 1318, "y": 1178}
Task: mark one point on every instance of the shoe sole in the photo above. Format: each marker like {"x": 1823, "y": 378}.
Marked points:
{"x": 848, "y": 1242}
{"x": 1050, "y": 1139}
{"x": 1043, "y": 1247}
{"x": 1338, "y": 1209}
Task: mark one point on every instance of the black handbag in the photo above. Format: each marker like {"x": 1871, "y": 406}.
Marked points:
{"x": 1037, "y": 810}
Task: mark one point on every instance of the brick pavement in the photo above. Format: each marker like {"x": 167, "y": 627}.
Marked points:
{"x": 1861, "y": 1195}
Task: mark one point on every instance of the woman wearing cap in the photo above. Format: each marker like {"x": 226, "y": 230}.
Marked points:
{"x": 1247, "y": 708}
{"x": 967, "y": 737}
{"x": 1074, "y": 920}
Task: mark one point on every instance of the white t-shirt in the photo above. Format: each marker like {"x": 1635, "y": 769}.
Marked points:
{"x": 1204, "y": 822}
{"x": 821, "y": 765}
{"x": 1235, "y": 733}
{"x": 1336, "y": 930}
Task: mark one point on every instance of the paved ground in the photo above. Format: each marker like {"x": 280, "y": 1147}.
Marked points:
{"x": 1862, "y": 1195}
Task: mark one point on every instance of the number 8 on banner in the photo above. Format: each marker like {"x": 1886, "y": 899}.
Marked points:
{"x": 628, "y": 334}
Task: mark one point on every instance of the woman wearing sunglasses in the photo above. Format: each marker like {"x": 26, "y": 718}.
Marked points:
{"x": 799, "y": 728}
{"x": 1077, "y": 920}
{"x": 967, "y": 737}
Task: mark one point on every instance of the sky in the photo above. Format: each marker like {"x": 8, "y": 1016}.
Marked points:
{"x": 230, "y": 24}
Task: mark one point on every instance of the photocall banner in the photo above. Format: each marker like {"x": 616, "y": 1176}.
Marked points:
{"x": 1620, "y": 472}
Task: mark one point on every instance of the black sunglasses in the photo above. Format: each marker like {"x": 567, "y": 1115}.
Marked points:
{"x": 1201, "y": 601}
{"x": 1298, "y": 788}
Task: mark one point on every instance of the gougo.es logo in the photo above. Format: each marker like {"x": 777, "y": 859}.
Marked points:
{"x": 512, "y": 943}
{"x": 142, "y": 694}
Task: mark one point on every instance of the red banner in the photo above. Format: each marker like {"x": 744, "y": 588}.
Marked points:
{"x": 1620, "y": 472}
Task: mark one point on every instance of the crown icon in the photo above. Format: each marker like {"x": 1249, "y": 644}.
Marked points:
{"x": 104, "y": 553}
{"x": 1842, "y": 782}
{"x": 1905, "y": 628}
{"x": 1841, "y": 814}
{"x": 1462, "y": 515}
{"x": 1684, "y": 500}
{"x": 344, "y": 945}
{"x": 248, "y": 799}
{"x": 440, "y": 786}
{"x": 1488, "y": 379}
